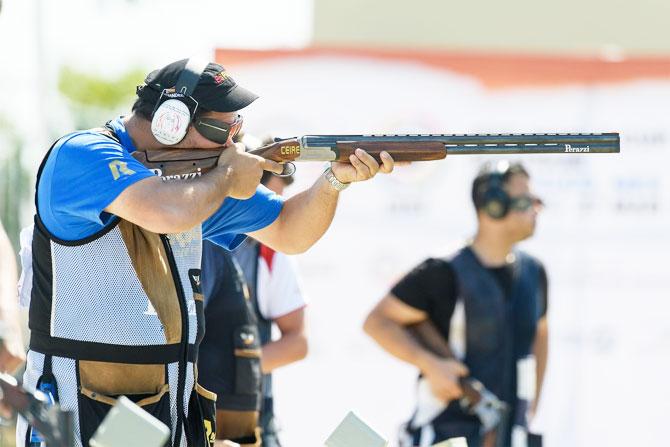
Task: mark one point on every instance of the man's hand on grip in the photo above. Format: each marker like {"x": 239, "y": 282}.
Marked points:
{"x": 244, "y": 170}
{"x": 443, "y": 376}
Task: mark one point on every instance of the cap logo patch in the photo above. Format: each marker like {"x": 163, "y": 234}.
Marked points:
{"x": 220, "y": 77}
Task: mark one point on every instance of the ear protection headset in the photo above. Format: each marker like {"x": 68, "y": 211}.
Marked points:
{"x": 492, "y": 197}
{"x": 176, "y": 106}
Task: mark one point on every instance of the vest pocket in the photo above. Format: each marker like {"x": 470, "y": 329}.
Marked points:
{"x": 238, "y": 421}
{"x": 201, "y": 422}
{"x": 240, "y": 427}
{"x": 93, "y": 407}
{"x": 247, "y": 360}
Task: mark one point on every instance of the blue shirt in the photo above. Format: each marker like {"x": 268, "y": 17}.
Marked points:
{"x": 86, "y": 171}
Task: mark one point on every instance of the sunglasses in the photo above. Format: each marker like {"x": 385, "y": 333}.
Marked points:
{"x": 525, "y": 202}
{"x": 218, "y": 131}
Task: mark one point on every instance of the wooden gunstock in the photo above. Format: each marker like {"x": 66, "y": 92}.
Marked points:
{"x": 291, "y": 150}
{"x": 280, "y": 151}
{"x": 429, "y": 337}
{"x": 169, "y": 162}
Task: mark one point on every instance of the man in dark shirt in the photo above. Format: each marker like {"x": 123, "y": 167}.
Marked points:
{"x": 488, "y": 301}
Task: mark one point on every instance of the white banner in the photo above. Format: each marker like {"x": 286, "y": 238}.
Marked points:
{"x": 602, "y": 237}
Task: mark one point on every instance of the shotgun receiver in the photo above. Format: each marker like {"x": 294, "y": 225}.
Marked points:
{"x": 190, "y": 162}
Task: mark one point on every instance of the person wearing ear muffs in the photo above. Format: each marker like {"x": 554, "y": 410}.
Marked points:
{"x": 486, "y": 306}
{"x": 116, "y": 306}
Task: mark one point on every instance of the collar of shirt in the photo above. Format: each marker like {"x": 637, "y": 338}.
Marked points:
{"x": 122, "y": 133}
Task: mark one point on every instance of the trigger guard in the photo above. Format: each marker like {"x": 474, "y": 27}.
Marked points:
{"x": 289, "y": 170}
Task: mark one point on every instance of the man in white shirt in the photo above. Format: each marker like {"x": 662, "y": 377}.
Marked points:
{"x": 246, "y": 294}
{"x": 275, "y": 292}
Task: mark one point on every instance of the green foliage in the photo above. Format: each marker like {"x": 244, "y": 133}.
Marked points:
{"x": 89, "y": 90}
{"x": 94, "y": 99}
{"x": 14, "y": 181}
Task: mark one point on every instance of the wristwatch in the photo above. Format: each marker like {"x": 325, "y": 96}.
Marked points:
{"x": 338, "y": 185}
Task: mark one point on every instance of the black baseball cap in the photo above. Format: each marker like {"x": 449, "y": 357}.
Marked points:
{"x": 216, "y": 90}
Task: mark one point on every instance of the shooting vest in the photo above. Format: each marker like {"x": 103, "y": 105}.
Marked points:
{"x": 230, "y": 352}
{"x": 499, "y": 330}
{"x": 119, "y": 313}
{"x": 247, "y": 255}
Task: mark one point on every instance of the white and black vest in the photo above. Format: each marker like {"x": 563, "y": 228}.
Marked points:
{"x": 248, "y": 256}
{"x": 119, "y": 313}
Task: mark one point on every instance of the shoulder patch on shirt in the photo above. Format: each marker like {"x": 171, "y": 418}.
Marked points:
{"x": 119, "y": 168}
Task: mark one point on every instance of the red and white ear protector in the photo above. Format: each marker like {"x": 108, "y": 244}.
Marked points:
{"x": 172, "y": 115}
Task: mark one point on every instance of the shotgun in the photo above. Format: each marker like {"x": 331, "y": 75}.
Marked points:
{"x": 53, "y": 423}
{"x": 476, "y": 400}
{"x": 189, "y": 163}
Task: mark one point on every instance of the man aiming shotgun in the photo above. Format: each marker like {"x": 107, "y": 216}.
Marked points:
{"x": 116, "y": 306}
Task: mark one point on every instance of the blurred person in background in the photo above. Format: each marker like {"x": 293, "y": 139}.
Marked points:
{"x": 488, "y": 304}
{"x": 116, "y": 306}
{"x": 239, "y": 315}
{"x": 278, "y": 301}
{"x": 12, "y": 353}
{"x": 229, "y": 355}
